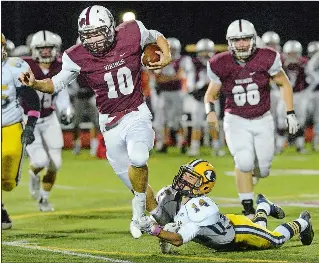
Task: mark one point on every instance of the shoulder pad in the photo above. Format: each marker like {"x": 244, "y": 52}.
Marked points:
{"x": 166, "y": 191}
{"x": 16, "y": 62}
{"x": 202, "y": 211}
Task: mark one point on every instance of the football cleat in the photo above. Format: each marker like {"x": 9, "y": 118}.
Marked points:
{"x": 249, "y": 209}
{"x": 44, "y": 205}
{"x": 134, "y": 229}
{"x": 275, "y": 210}
{"x": 34, "y": 185}
{"x": 6, "y": 222}
{"x": 307, "y": 235}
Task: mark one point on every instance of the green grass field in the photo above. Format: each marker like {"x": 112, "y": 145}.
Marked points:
{"x": 93, "y": 212}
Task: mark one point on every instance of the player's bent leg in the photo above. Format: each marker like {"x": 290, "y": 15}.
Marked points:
{"x": 12, "y": 156}
{"x": 253, "y": 235}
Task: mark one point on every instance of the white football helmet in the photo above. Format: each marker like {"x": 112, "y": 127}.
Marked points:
{"x": 96, "y": 22}
{"x": 205, "y": 49}
{"x": 259, "y": 42}
{"x": 272, "y": 40}
{"x": 175, "y": 47}
{"x": 10, "y": 46}
{"x": 292, "y": 50}
{"x": 20, "y": 51}
{"x": 58, "y": 42}
{"x": 240, "y": 29}
{"x": 40, "y": 42}
{"x": 312, "y": 48}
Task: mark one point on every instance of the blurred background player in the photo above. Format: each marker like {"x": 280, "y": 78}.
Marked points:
{"x": 294, "y": 66}
{"x": 45, "y": 152}
{"x": 169, "y": 106}
{"x": 84, "y": 103}
{"x": 205, "y": 49}
{"x": 243, "y": 74}
{"x": 14, "y": 137}
{"x": 312, "y": 78}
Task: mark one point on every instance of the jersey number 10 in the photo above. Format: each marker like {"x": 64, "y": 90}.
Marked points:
{"x": 124, "y": 82}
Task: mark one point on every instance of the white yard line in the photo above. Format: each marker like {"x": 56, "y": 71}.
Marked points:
{"x": 285, "y": 172}
{"x": 23, "y": 244}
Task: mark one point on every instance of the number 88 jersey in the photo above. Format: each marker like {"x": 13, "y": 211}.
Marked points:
{"x": 11, "y": 69}
{"x": 245, "y": 86}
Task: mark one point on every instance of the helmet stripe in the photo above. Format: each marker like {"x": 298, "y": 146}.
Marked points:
{"x": 44, "y": 35}
{"x": 87, "y": 16}
{"x": 240, "y": 26}
{"x": 196, "y": 162}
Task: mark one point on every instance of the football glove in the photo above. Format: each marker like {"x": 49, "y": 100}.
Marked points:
{"x": 67, "y": 116}
{"x": 27, "y": 136}
{"x": 149, "y": 226}
{"x": 292, "y": 122}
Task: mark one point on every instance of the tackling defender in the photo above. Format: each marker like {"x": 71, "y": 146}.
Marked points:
{"x": 190, "y": 215}
{"x": 109, "y": 58}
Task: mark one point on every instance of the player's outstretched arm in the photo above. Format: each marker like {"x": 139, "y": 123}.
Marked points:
{"x": 28, "y": 79}
{"x": 165, "y": 55}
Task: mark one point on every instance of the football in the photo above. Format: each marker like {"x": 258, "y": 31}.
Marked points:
{"x": 149, "y": 54}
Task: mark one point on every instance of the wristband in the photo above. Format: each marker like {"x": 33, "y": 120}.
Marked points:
{"x": 209, "y": 107}
{"x": 290, "y": 112}
{"x": 34, "y": 113}
{"x": 156, "y": 230}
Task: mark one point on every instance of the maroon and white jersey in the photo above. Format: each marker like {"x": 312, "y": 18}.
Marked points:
{"x": 296, "y": 74}
{"x": 114, "y": 77}
{"x": 46, "y": 100}
{"x": 245, "y": 86}
{"x": 184, "y": 62}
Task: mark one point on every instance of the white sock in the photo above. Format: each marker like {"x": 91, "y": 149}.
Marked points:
{"x": 44, "y": 194}
{"x": 138, "y": 205}
{"x": 93, "y": 145}
{"x": 286, "y": 229}
{"x": 300, "y": 142}
{"x": 195, "y": 144}
{"x": 246, "y": 196}
{"x": 264, "y": 206}
{"x": 179, "y": 139}
{"x": 216, "y": 144}
{"x": 280, "y": 141}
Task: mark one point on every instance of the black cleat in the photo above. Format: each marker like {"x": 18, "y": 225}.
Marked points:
{"x": 275, "y": 210}
{"x": 307, "y": 235}
{"x": 5, "y": 219}
{"x": 249, "y": 209}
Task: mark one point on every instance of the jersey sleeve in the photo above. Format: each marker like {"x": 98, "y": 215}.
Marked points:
{"x": 62, "y": 100}
{"x": 276, "y": 66}
{"x": 212, "y": 72}
{"x": 147, "y": 36}
{"x": 69, "y": 72}
{"x": 189, "y": 231}
{"x": 19, "y": 66}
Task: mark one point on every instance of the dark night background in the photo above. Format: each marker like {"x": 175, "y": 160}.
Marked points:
{"x": 187, "y": 21}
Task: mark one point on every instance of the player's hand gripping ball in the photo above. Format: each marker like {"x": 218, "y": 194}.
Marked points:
{"x": 149, "y": 54}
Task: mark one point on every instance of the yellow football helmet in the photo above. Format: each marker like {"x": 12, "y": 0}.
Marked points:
{"x": 4, "y": 53}
{"x": 203, "y": 171}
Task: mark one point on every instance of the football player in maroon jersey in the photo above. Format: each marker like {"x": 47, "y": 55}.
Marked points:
{"x": 242, "y": 74}
{"x": 109, "y": 58}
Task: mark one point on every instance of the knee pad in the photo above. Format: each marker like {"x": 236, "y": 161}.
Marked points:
{"x": 244, "y": 161}
{"x": 138, "y": 154}
{"x": 264, "y": 171}
{"x": 8, "y": 185}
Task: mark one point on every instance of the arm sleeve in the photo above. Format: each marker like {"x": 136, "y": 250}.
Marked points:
{"x": 30, "y": 97}
{"x": 276, "y": 66}
{"x": 147, "y": 36}
{"x": 212, "y": 76}
{"x": 69, "y": 72}
{"x": 189, "y": 231}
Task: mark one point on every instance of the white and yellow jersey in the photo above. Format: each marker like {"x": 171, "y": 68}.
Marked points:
{"x": 10, "y": 108}
{"x": 200, "y": 221}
